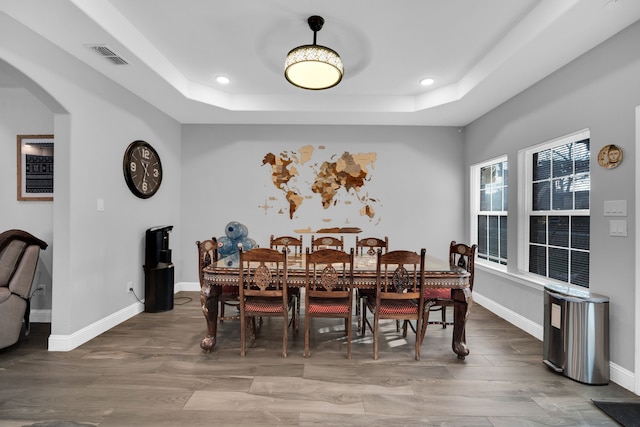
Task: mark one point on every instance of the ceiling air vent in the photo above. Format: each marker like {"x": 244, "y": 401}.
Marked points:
{"x": 108, "y": 54}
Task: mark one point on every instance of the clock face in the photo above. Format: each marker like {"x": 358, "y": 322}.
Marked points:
{"x": 142, "y": 169}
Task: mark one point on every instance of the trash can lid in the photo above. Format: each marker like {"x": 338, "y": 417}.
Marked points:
{"x": 576, "y": 293}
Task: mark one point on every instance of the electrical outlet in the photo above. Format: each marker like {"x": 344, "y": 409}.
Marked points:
{"x": 129, "y": 287}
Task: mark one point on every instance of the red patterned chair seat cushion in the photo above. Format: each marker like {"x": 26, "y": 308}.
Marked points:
{"x": 441, "y": 293}
{"x": 328, "y": 306}
{"x": 396, "y": 307}
{"x": 263, "y": 305}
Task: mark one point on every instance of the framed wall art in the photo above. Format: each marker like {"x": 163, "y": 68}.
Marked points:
{"x": 35, "y": 167}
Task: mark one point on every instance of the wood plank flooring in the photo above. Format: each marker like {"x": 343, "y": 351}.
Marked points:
{"x": 150, "y": 371}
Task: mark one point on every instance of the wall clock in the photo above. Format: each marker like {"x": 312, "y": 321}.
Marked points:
{"x": 610, "y": 156}
{"x": 142, "y": 169}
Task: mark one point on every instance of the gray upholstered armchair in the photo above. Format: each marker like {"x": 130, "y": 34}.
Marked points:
{"x": 19, "y": 253}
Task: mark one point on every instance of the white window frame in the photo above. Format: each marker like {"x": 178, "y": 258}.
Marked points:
{"x": 474, "y": 173}
{"x": 525, "y": 174}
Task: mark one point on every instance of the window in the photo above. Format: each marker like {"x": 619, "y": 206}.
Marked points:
{"x": 557, "y": 185}
{"x": 489, "y": 207}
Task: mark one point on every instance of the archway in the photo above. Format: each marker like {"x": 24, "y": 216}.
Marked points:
{"x": 29, "y": 109}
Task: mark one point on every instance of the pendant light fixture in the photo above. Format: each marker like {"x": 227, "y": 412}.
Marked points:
{"x": 312, "y": 66}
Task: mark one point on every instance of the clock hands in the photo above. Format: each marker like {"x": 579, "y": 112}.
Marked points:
{"x": 145, "y": 166}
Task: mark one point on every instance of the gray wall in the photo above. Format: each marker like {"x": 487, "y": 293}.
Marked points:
{"x": 599, "y": 91}
{"x": 95, "y": 253}
{"x": 417, "y": 178}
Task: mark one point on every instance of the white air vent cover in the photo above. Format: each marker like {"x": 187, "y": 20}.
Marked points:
{"x": 108, "y": 54}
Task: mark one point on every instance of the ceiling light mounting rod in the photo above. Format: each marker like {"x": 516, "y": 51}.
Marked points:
{"x": 315, "y": 23}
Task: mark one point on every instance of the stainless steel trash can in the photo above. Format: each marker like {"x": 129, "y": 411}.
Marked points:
{"x": 576, "y": 334}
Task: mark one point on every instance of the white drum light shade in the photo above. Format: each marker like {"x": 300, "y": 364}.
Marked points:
{"x": 313, "y": 66}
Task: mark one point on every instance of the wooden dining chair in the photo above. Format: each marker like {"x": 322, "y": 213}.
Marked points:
{"x": 367, "y": 246}
{"x": 207, "y": 255}
{"x": 293, "y": 246}
{"x": 263, "y": 291}
{"x": 460, "y": 255}
{"x": 328, "y": 290}
{"x": 370, "y": 245}
{"x": 399, "y": 293}
{"x": 327, "y": 242}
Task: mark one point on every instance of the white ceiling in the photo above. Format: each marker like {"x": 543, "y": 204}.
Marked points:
{"x": 480, "y": 53}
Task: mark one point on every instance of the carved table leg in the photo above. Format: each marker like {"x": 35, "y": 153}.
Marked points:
{"x": 460, "y": 312}
{"x": 209, "y": 296}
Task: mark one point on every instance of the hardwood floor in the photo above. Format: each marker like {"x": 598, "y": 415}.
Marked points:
{"x": 150, "y": 371}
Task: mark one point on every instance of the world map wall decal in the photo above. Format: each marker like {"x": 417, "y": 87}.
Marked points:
{"x": 301, "y": 175}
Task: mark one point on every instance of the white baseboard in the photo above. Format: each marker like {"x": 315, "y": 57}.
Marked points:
{"x": 187, "y": 286}
{"x": 69, "y": 342}
{"x": 40, "y": 316}
{"x": 512, "y": 317}
{"x": 622, "y": 377}
{"x": 619, "y": 375}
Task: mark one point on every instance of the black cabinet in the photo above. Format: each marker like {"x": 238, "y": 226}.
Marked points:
{"x": 158, "y": 270}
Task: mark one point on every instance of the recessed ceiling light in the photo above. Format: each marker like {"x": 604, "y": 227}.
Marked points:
{"x": 427, "y": 82}
{"x": 223, "y": 80}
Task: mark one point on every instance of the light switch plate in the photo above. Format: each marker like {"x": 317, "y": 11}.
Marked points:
{"x": 618, "y": 227}
{"x": 615, "y": 208}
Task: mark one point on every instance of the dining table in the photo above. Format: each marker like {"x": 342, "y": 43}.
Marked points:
{"x": 438, "y": 274}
